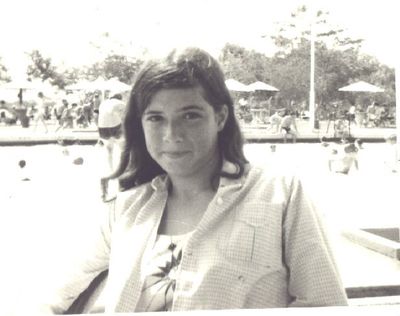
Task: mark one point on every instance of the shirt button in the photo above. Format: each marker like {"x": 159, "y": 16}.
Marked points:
{"x": 220, "y": 201}
{"x": 241, "y": 278}
{"x": 189, "y": 253}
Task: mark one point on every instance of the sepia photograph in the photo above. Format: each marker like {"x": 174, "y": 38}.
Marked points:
{"x": 214, "y": 156}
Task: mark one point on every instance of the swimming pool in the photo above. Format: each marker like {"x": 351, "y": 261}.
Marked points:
{"x": 60, "y": 173}
{"x": 45, "y": 219}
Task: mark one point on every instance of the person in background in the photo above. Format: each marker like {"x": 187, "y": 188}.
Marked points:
{"x": 59, "y": 111}
{"x": 343, "y": 158}
{"x": 196, "y": 226}
{"x": 20, "y": 97}
{"x": 392, "y": 155}
{"x": 371, "y": 114}
{"x": 111, "y": 112}
{"x": 96, "y": 104}
{"x": 2, "y": 113}
{"x": 68, "y": 116}
{"x": 87, "y": 113}
{"x": 351, "y": 114}
{"x": 288, "y": 126}
{"x": 359, "y": 143}
{"x": 275, "y": 121}
{"x": 340, "y": 128}
{"x": 81, "y": 119}
{"x": 40, "y": 112}
{"x": 360, "y": 118}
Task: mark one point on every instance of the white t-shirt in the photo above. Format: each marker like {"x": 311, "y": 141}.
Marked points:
{"x": 161, "y": 272}
{"x": 111, "y": 112}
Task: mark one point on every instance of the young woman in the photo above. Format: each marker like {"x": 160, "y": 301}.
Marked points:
{"x": 196, "y": 226}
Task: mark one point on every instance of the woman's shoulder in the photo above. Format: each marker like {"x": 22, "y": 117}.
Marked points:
{"x": 133, "y": 196}
{"x": 272, "y": 170}
{"x": 273, "y": 176}
{"x": 269, "y": 186}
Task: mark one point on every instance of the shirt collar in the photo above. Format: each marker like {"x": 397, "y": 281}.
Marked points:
{"x": 230, "y": 168}
{"x": 161, "y": 182}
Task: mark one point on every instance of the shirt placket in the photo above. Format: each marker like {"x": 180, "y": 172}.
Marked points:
{"x": 153, "y": 209}
{"x": 221, "y": 203}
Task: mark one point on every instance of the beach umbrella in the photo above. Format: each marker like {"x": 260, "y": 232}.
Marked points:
{"x": 83, "y": 84}
{"x": 259, "y": 85}
{"x": 235, "y": 85}
{"x": 100, "y": 84}
{"x": 8, "y": 95}
{"x": 114, "y": 84}
{"x": 18, "y": 84}
{"x": 34, "y": 86}
{"x": 361, "y": 86}
{"x": 87, "y": 85}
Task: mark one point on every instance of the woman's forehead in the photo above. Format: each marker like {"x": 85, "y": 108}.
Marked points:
{"x": 177, "y": 97}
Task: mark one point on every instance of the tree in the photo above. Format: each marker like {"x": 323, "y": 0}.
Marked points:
{"x": 41, "y": 67}
{"x": 72, "y": 75}
{"x": 291, "y": 72}
{"x": 244, "y": 65}
{"x": 118, "y": 66}
{"x": 338, "y": 61}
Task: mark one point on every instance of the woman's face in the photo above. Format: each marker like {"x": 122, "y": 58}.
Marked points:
{"x": 181, "y": 130}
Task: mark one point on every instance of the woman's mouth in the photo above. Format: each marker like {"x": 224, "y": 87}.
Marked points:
{"x": 175, "y": 154}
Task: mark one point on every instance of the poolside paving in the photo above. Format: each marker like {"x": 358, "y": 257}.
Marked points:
{"x": 18, "y": 135}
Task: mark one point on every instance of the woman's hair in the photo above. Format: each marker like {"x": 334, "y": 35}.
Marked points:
{"x": 189, "y": 68}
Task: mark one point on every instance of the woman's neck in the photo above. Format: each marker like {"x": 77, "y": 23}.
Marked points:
{"x": 191, "y": 186}
{"x": 182, "y": 189}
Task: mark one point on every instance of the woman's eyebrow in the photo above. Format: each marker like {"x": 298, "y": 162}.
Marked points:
{"x": 147, "y": 112}
{"x": 191, "y": 107}
{"x": 185, "y": 108}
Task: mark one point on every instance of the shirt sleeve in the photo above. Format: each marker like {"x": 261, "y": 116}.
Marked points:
{"x": 92, "y": 259}
{"x": 314, "y": 278}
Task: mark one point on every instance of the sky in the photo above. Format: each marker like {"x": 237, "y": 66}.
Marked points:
{"x": 69, "y": 31}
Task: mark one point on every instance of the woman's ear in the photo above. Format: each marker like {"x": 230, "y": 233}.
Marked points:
{"x": 222, "y": 116}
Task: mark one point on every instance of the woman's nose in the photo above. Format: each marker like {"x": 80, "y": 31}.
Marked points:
{"x": 173, "y": 132}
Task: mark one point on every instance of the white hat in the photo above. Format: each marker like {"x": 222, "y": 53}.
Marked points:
{"x": 111, "y": 112}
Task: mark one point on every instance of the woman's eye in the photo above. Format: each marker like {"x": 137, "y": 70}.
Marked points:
{"x": 191, "y": 115}
{"x": 154, "y": 118}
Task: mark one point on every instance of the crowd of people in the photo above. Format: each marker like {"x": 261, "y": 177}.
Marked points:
{"x": 342, "y": 155}
{"x": 67, "y": 112}
{"x": 339, "y": 118}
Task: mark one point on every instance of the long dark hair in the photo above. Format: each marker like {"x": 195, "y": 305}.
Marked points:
{"x": 191, "y": 67}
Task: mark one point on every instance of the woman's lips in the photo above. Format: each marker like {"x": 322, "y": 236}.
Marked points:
{"x": 175, "y": 154}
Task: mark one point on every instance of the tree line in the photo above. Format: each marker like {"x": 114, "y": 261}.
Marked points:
{"x": 338, "y": 62}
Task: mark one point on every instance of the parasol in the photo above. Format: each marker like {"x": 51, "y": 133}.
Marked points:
{"x": 80, "y": 85}
{"x": 34, "y": 85}
{"x": 101, "y": 84}
{"x": 361, "y": 86}
{"x": 235, "y": 85}
{"x": 259, "y": 85}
